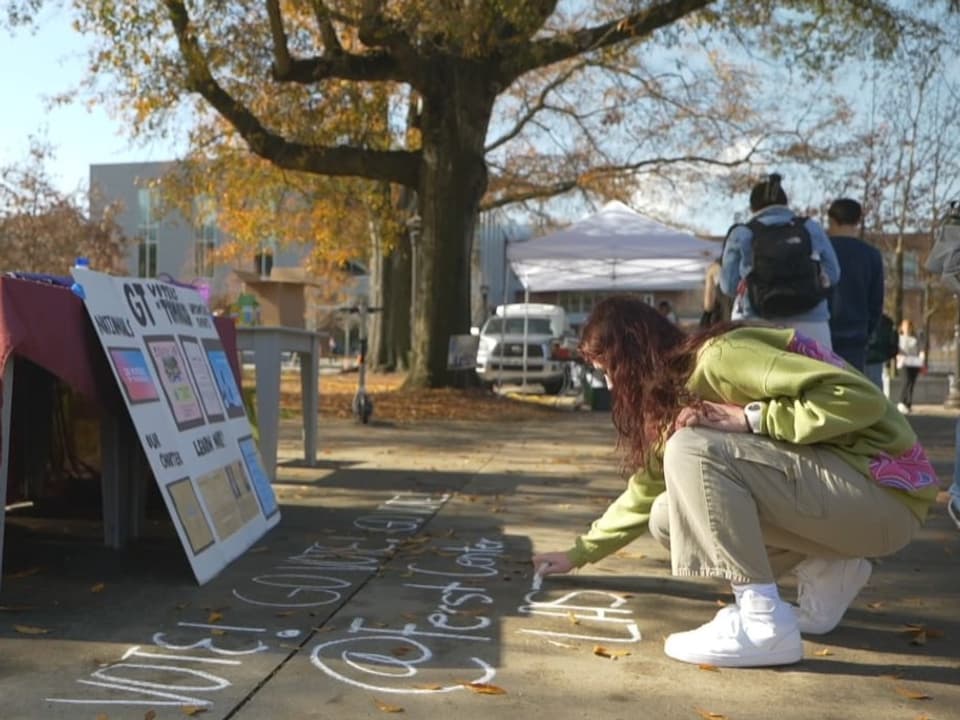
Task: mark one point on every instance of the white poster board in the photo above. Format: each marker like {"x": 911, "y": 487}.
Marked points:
{"x": 175, "y": 377}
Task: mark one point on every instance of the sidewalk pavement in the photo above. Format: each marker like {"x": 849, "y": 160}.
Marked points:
{"x": 399, "y": 580}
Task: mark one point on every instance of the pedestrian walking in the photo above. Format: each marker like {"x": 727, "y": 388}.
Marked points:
{"x": 910, "y": 359}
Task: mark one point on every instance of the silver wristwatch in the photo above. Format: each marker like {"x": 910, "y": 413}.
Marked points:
{"x": 753, "y": 412}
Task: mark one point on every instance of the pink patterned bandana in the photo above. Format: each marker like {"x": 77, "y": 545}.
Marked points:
{"x": 910, "y": 471}
{"x": 804, "y": 345}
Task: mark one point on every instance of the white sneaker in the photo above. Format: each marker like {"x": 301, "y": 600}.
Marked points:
{"x": 953, "y": 510}
{"x": 903, "y": 408}
{"x": 826, "y": 589}
{"x": 758, "y": 633}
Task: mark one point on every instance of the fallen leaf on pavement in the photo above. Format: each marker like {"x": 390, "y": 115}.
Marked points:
{"x": 911, "y": 694}
{"x": 150, "y": 715}
{"x": 709, "y": 715}
{"x": 485, "y": 689}
{"x": 874, "y": 605}
{"x": 192, "y": 710}
{"x": 611, "y": 654}
{"x": 825, "y": 652}
{"x": 97, "y": 588}
{"x": 103, "y": 716}
{"x": 23, "y": 573}
{"x": 214, "y": 617}
{"x": 386, "y": 707}
{"x": 706, "y": 666}
{"x": 573, "y": 618}
{"x": 30, "y": 630}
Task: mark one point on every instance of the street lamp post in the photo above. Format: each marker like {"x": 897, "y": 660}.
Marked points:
{"x": 953, "y": 390}
{"x": 414, "y": 225}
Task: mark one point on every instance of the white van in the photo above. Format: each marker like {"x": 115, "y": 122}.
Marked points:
{"x": 525, "y": 342}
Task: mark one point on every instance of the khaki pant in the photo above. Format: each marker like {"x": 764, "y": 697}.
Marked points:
{"x": 747, "y": 508}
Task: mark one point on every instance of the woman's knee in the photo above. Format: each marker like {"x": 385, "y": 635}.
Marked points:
{"x": 659, "y": 523}
{"x": 688, "y": 444}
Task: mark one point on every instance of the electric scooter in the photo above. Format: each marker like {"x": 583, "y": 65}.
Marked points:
{"x": 362, "y": 405}
{"x": 362, "y": 402}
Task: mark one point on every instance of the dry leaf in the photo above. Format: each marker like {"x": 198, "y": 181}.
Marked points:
{"x": 708, "y": 715}
{"x": 485, "y": 688}
{"x": 400, "y": 650}
{"x": 97, "y": 588}
{"x": 711, "y": 668}
{"x": 611, "y": 654}
{"x": 874, "y": 605}
{"x": 150, "y": 715}
{"x": 386, "y": 707}
{"x": 23, "y": 573}
{"x": 103, "y": 716}
{"x": 721, "y": 603}
{"x": 214, "y": 617}
{"x": 573, "y": 618}
{"x": 911, "y": 694}
{"x": 825, "y": 652}
{"x": 192, "y": 710}
{"x": 30, "y": 630}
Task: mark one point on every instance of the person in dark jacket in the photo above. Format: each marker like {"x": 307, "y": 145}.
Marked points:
{"x": 857, "y": 300}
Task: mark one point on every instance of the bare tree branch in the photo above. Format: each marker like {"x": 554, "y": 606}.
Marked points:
{"x": 281, "y": 51}
{"x": 537, "y": 106}
{"x": 331, "y": 42}
{"x": 522, "y": 58}
{"x": 526, "y": 191}
{"x": 393, "y": 166}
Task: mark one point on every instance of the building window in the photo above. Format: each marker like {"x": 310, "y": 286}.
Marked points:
{"x": 146, "y": 235}
{"x": 205, "y": 237}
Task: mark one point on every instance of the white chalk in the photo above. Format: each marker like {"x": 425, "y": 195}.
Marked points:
{"x": 538, "y": 576}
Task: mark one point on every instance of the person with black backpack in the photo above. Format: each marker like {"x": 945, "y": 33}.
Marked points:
{"x": 780, "y": 267}
{"x": 857, "y": 300}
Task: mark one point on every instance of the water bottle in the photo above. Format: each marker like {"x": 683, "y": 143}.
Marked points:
{"x": 81, "y": 263}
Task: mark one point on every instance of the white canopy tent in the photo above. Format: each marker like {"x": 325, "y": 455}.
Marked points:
{"x": 614, "y": 249}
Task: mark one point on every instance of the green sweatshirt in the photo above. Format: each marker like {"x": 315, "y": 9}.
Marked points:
{"x": 809, "y": 396}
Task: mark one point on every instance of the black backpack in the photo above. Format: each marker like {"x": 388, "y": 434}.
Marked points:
{"x": 785, "y": 279}
{"x": 884, "y": 343}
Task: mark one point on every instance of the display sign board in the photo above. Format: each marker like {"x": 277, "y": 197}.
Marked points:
{"x": 188, "y": 412}
{"x": 462, "y": 352}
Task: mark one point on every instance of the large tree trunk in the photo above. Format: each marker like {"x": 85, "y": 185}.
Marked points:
{"x": 396, "y": 311}
{"x": 375, "y": 270}
{"x": 452, "y": 181}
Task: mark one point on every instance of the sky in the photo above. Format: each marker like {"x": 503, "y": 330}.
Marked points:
{"x": 35, "y": 66}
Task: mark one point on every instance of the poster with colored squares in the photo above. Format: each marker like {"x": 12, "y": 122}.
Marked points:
{"x": 187, "y": 408}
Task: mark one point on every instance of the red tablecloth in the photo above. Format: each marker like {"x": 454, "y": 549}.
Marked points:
{"x": 48, "y": 325}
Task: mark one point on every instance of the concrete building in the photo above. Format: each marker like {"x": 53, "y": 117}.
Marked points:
{"x": 166, "y": 242}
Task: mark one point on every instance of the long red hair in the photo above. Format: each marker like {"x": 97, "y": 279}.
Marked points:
{"x": 648, "y": 360}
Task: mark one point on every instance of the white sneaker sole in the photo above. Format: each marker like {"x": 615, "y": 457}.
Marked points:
{"x": 820, "y": 626}
{"x": 790, "y": 653}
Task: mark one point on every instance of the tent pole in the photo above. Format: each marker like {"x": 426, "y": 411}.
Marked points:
{"x": 503, "y": 318}
{"x": 526, "y": 323}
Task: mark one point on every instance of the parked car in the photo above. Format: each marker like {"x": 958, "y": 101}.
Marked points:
{"x": 525, "y": 343}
